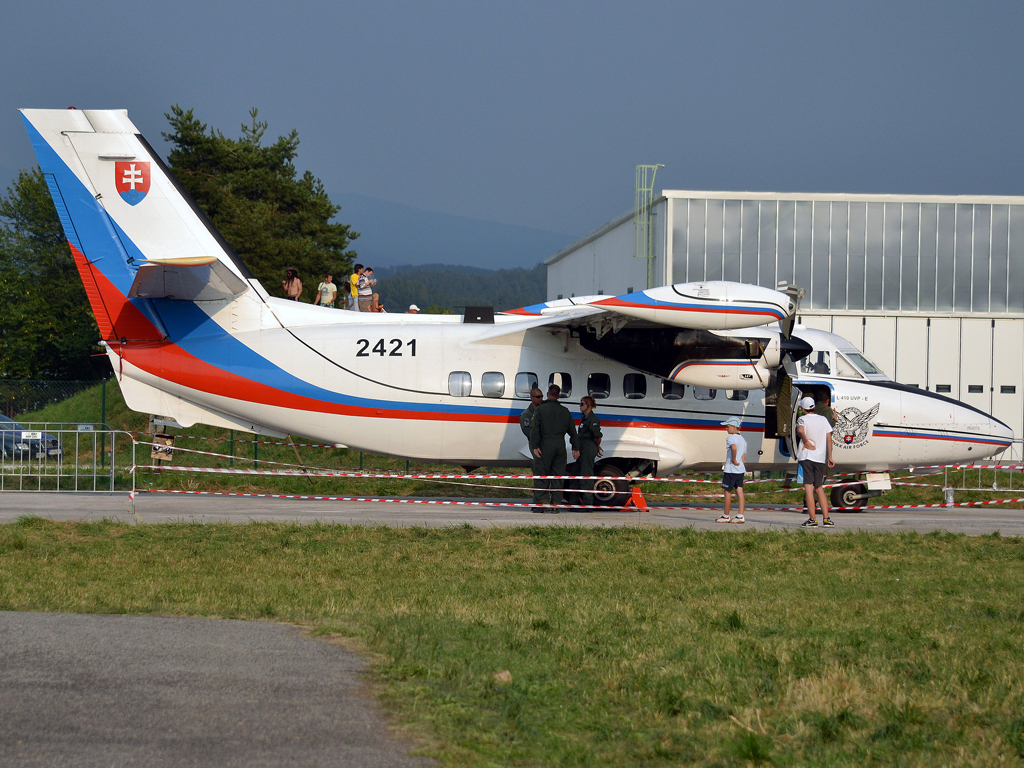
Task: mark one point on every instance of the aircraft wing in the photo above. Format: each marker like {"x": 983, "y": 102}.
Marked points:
{"x": 557, "y": 317}
{"x": 715, "y": 305}
{"x": 706, "y": 334}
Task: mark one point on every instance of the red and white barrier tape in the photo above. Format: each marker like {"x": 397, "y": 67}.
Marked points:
{"x": 446, "y": 502}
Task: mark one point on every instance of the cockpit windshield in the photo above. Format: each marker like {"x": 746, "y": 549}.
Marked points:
{"x": 817, "y": 362}
{"x": 845, "y": 365}
{"x": 864, "y": 364}
{"x": 845, "y": 369}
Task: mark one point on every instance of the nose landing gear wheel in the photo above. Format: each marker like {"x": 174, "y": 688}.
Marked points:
{"x": 847, "y": 496}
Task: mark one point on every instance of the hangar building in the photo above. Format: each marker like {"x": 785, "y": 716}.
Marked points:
{"x": 931, "y": 288}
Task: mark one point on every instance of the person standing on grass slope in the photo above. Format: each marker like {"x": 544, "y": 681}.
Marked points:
{"x": 365, "y": 288}
{"x": 551, "y": 423}
{"x": 326, "y": 292}
{"x": 353, "y": 281}
{"x": 815, "y": 452}
{"x": 732, "y": 477}
{"x": 292, "y": 284}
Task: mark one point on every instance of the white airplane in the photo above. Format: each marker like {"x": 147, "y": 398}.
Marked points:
{"x": 195, "y": 338}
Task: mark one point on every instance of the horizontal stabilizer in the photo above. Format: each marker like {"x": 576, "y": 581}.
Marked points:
{"x": 199, "y": 278}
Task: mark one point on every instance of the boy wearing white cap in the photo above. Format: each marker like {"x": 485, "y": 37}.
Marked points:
{"x": 815, "y": 451}
{"x": 732, "y": 477}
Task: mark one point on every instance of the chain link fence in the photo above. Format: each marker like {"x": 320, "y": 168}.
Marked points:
{"x": 24, "y": 395}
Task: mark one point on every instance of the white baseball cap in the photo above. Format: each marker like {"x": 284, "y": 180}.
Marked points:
{"x": 732, "y": 421}
{"x": 807, "y": 403}
{"x": 414, "y": 307}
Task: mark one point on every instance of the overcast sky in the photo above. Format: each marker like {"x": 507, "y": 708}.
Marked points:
{"x": 535, "y": 114}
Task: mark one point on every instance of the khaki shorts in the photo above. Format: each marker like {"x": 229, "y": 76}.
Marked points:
{"x": 364, "y": 304}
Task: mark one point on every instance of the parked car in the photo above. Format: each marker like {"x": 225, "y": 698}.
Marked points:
{"x": 21, "y": 443}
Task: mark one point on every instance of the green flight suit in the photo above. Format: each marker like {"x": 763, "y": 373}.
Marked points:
{"x": 551, "y": 423}
{"x": 589, "y": 434}
{"x": 525, "y": 422}
{"x": 825, "y": 410}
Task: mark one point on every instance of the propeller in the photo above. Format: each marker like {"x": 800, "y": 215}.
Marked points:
{"x": 793, "y": 348}
{"x": 795, "y": 293}
{"x": 790, "y": 346}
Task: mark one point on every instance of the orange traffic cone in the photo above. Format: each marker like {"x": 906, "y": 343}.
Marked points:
{"x": 636, "y": 500}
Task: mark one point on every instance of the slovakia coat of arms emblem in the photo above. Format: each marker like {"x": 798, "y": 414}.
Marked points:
{"x": 853, "y": 426}
{"x": 132, "y": 180}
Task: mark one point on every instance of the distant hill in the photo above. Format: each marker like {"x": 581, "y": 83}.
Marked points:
{"x": 392, "y": 234}
{"x": 450, "y": 287}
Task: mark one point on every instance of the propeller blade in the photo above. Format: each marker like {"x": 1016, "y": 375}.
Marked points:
{"x": 795, "y": 293}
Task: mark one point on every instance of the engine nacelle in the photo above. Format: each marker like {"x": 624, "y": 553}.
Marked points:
{"x": 723, "y": 374}
{"x": 716, "y": 360}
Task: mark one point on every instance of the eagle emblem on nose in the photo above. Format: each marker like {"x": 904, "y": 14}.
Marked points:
{"x": 853, "y": 426}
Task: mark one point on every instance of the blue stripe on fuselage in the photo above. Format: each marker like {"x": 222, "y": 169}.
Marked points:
{"x": 100, "y": 241}
{"x": 193, "y": 330}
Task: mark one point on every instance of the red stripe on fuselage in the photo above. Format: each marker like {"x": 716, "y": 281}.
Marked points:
{"x": 165, "y": 360}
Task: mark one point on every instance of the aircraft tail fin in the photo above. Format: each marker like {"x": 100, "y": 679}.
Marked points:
{"x": 122, "y": 209}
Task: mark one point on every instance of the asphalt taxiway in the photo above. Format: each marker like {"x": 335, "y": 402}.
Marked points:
{"x": 100, "y": 690}
{"x": 162, "y": 508}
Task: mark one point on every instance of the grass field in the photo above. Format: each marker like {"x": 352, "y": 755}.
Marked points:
{"x": 86, "y": 406}
{"x": 621, "y": 647}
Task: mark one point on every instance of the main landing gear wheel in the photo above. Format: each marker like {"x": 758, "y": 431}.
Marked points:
{"x": 847, "y": 496}
{"x": 611, "y": 490}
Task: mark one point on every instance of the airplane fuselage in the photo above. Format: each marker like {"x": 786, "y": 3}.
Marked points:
{"x": 436, "y": 389}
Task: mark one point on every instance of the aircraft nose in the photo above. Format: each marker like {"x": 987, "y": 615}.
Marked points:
{"x": 1000, "y": 432}
{"x": 994, "y": 436}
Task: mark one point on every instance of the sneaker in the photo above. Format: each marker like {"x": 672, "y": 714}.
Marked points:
{"x": 827, "y": 522}
{"x": 537, "y": 509}
{"x": 809, "y": 523}
{"x": 739, "y": 519}
{"x": 724, "y": 519}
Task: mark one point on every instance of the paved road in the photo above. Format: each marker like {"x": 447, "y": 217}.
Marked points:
{"x": 156, "y": 508}
{"x": 153, "y": 691}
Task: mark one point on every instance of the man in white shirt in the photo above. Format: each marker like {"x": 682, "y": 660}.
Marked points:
{"x": 814, "y": 453}
{"x": 327, "y": 291}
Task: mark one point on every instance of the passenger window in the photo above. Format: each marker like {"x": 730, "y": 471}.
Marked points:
{"x": 737, "y": 394}
{"x": 525, "y": 381}
{"x": 599, "y": 385}
{"x": 460, "y": 384}
{"x": 634, "y": 386}
{"x": 703, "y": 393}
{"x": 947, "y": 388}
{"x": 845, "y": 369}
{"x": 564, "y": 381}
{"x": 492, "y": 384}
{"x": 670, "y": 390}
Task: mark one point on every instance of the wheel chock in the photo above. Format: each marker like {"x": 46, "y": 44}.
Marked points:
{"x": 636, "y": 500}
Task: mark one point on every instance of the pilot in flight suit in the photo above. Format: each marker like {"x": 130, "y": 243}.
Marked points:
{"x": 551, "y": 423}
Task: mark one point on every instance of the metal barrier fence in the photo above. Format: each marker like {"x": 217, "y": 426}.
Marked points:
{"x": 989, "y": 477}
{"x": 66, "y": 457}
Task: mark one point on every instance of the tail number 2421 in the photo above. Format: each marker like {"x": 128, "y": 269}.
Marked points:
{"x": 380, "y": 348}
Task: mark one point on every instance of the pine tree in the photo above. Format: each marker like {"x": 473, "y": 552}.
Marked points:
{"x": 273, "y": 218}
